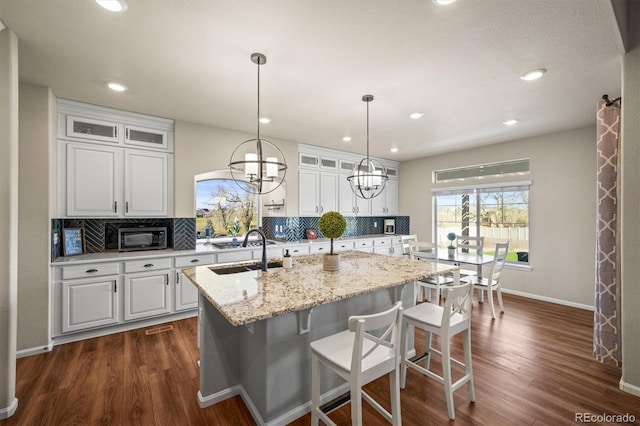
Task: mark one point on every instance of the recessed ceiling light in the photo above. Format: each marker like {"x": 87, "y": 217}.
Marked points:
{"x": 533, "y": 75}
{"x": 113, "y": 5}
{"x": 443, "y": 2}
{"x": 346, "y": 139}
{"x": 116, "y": 87}
{"x": 394, "y": 149}
{"x": 416, "y": 115}
{"x": 510, "y": 122}
{"x": 265, "y": 120}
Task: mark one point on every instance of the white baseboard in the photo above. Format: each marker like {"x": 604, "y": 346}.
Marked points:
{"x": 629, "y": 388}
{"x": 206, "y": 401}
{"x": 548, "y": 299}
{"x": 288, "y": 417}
{"x": 34, "y": 351}
{"x": 9, "y": 411}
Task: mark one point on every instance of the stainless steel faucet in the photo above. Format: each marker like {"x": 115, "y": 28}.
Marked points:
{"x": 264, "y": 245}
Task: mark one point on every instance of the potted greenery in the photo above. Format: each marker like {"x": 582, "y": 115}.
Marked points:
{"x": 332, "y": 225}
{"x": 234, "y": 231}
{"x": 451, "y": 249}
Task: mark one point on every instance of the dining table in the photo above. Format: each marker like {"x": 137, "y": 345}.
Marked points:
{"x": 462, "y": 258}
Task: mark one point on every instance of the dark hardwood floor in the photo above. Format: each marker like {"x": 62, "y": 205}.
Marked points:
{"x": 532, "y": 365}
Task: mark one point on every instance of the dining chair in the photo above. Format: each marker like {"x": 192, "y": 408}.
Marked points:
{"x": 493, "y": 281}
{"x": 427, "y": 252}
{"x": 469, "y": 244}
{"x": 445, "y": 321}
{"x": 360, "y": 356}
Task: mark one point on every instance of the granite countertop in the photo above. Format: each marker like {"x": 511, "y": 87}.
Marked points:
{"x": 250, "y": 296}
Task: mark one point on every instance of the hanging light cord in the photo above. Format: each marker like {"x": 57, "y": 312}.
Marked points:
{"x": 258, "y": 118}
{"x": 367, "y": 132}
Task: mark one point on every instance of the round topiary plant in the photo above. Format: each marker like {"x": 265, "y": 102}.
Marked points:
{"x": 332, "y": 225}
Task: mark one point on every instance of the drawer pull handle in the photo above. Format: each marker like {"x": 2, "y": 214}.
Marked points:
{"x": 91, "y": 271}
{"x": 148, "y": 265}
{"x": 320, "y": 248}
{"x": 195, "y": 260}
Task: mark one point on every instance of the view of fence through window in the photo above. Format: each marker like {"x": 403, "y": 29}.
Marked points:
{"x": 223, "y": 209}
{"x": 496, "y": 215}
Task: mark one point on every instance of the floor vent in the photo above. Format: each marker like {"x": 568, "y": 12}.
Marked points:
{"x": 157, "y": 330}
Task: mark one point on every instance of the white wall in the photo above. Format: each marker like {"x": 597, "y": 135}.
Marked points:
{"x": 8, "y": 219}
{"x": 562, "y": 208}
{"x": 630, "y": 223}
{"x": 200, "y": 149}
{"x": 37, "y": 134}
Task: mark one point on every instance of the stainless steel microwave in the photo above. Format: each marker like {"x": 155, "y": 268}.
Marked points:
{"x": 131, "y": 239}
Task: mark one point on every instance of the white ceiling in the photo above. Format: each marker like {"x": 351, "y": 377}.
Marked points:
{"x": 459, "y": 64}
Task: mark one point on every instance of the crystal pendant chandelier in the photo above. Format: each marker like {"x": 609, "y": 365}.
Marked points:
{"x": 369, "y": 176}
{"x": 257, "y": 165}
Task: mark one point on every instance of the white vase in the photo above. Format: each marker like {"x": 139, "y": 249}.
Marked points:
{"x": 331, "y": 262}
{"x": 451, "y": 251}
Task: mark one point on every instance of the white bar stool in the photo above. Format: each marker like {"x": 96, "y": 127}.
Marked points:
{"x": 446, "y": 321}
{"x": 360, "y": 357}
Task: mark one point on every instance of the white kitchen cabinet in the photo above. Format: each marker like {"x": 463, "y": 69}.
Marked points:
{"x": 146, "y": 183}
{"x": 146, "y": 137}
{"x": 104, "y": 181}
{"x": 186, "y": 294}
{"x": 92, "y": 129}
{"x": 365, "y": 245}
{"x": 382, "y": 245}
{"x": 387, "y": 202}
{"x": 324, "y": 247}
{"x": 350, "y": 204}
{"x": 342, "y": 245}
{"x": 318, "y": 192}
{"x": 397, "y": 248}
{"x": 92, "y": 180}
{"x": 89, "y": 303}
{"x": 297, "y": 249}
{"x": 147, "y": 294}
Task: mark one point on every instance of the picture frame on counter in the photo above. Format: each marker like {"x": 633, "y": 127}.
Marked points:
{"x": 72, "y": 241}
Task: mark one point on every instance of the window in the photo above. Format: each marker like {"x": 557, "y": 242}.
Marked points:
{"x": 223, "y": 208}
{"x": 498, "y": 211}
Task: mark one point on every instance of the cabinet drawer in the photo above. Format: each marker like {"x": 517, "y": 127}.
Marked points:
{"x": 381, "y": 242}
{"x": 91, "y": 270}
{"x": 298, "y": 250}
{"x": 205, "y": 259}
{"x": 146, "y": 265}
{"x": 320, "y": 248}
{"x": 360, "y": 244}
{"x": 342, "y": 245}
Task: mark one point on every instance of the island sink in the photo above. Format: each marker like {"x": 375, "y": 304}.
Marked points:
{"x": 234, "y": 269}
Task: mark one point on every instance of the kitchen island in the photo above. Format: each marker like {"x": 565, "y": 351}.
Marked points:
{"x": 255, "y": 327}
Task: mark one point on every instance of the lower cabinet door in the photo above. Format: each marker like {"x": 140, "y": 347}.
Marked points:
{"x": 89, "y": 303}
{"x": 146, "y": 295}
{"x": 186, "y": 293}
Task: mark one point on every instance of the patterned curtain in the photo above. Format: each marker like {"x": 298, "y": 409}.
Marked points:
{"x": 606, "y": 327}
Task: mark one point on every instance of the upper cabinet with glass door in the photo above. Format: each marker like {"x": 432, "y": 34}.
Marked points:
{"x": 80, "y": 122}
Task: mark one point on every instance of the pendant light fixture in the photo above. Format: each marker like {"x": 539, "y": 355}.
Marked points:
{"x": 369, "y": 176}
{"x": 257, "y": 165}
